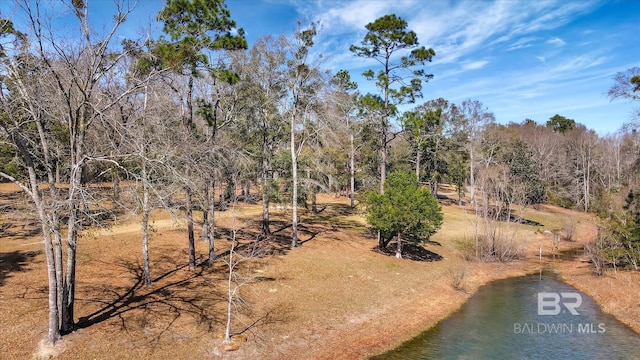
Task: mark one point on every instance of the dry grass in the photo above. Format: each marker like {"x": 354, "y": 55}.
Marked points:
{"x": 332, "y": 297}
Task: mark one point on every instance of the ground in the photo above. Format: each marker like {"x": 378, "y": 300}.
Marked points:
{"x": 333, "y": 297}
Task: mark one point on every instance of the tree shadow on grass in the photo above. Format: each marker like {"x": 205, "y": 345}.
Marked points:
{"x": 251, "y": 243}
{"x": 155, "y": 308}
{"x": 334, "y": 216}
{"x": 411, "y": 252}
{"x": 14, "y": 261}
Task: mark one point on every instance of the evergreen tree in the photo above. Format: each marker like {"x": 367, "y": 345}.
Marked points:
{"x": 405, "y": 210}
{"x": 387, "y": 37}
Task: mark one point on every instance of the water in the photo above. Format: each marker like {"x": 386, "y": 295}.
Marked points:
{"x": 502, "y": 321}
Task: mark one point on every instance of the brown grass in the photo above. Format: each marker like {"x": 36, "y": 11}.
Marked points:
{"x": 333, "y": 297}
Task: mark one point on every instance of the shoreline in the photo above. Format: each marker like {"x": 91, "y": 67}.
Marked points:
{"x": 530, "y": 265}
{"x": 333, "y": 297}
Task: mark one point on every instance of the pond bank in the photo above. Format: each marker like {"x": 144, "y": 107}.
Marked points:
{"x": 502, "y": 320}
{"x": 365, "y": 304}
{"x": 616, "y": 294}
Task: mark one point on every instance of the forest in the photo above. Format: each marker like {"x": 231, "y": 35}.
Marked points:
{"x": 195, "y": 121}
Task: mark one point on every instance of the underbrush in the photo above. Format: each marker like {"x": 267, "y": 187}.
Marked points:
{"x": 497, "y": 245}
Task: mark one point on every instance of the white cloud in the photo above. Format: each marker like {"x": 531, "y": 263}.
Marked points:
{"x": 521, "y": 43}
{"x": 453, "y": 29}
{"x": 474, "y": 65}
{"x": 556, "y": 41}
{"x": 531, "y": 71}
{"x": 578, "y": 63}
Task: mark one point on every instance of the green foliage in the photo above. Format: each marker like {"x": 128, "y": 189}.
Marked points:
{"x": 559, "y": 200}
{"x": 435, "y": 129}
{"x": 387, "y": 36}
{"x": 16, "y": 38}
{"x": 343, "y": 80}
{"x": 560, "y": 123}
{"x": 519, "y": 158}
{"x": 627, "y": 85}
{"x": 620, "y": 239}
{"x": 635, "y": 81}
{"x": 405, "y": 209}
{"x": 10, "y": 163}
{"x": 195, "y": 26}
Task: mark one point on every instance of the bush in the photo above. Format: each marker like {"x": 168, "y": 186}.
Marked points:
{"x": 405, "y": 210}
{"x": 492, "y": 246}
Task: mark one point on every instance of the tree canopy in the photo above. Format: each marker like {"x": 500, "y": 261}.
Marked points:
{"x": 386, "y": 37}
{"x": 406, "y": 211}
{"x": 560, "y": 123}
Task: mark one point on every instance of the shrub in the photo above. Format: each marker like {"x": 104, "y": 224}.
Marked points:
{"x": 406, "y": 211}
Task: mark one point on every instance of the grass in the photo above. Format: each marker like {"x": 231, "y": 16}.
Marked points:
{"x": 331, "y": 297}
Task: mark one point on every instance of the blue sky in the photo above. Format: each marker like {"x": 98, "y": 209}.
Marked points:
{"x": 521, "y": 58}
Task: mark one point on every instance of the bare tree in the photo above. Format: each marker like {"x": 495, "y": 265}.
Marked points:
{"x": 627, "y": 87}
{"x": 477, "y": 118}
{"x": 303, "y": 84}
{"x": 64, "y": 97}
{"x": 346, "y": 107}
{"x": 260, "y": 125}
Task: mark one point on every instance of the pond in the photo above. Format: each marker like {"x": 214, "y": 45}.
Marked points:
{"x": 530, "y": 317}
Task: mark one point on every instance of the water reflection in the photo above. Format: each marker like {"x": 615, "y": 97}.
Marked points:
{"x": 527, "y": 317}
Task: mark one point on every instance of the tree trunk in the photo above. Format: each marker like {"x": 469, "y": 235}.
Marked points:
{"x": 53, "y": 332}
{"x": 265, "y": 184}
{"x": 188, "y": 192}
{"x": 230, "y": 291}
{"x": 385, "y": 130}
{"x": 399, "y": 248}
{"x": 230, "y": 190}
{"x": 265, "y": 210}
{"x": 57, "y": 256}
{"x": 205, "y": 219}
{"x": 74, "y": 202}
{"x": 294, "y": 175}
{"x": 383, "y": 157}
{"x": 418, "y": 155}
{"x": 314, "y": 202}
{"x": 69, "y": 287}
{"x": 116, "y": 186}
{"x": 190, "y": 234}
{"x": 210, "y": 220}
{"x": 352, "y": 171}
{"x": 472, "y": 177}
{"x": 58, "y": 175}
{"x": 382, "y": 242}
{"x": 145, "y": 226}
{"x": 57, "y": 243}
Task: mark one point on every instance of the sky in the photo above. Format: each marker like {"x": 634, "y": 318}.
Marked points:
{"x": 523, "y": 59}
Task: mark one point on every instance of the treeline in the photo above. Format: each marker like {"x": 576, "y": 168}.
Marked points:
{"x": 196, "y": 112}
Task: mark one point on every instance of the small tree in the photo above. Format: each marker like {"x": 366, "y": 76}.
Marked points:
{"x": 405, "y": 210}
